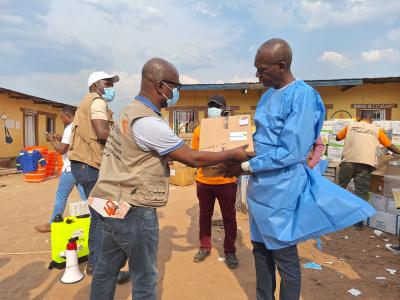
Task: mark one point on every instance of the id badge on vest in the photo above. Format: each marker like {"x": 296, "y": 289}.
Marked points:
{"x": 109, "y": 208}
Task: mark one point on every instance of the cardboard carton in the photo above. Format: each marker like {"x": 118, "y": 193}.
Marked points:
{"x": 379, "y": 202}
{"x": 181, "y": 174}
{"x": 224, "y": 133}
{"x": 385, "y": 221}
{"x": 386, "y": 177}
{"x": 335, "y": 153}
{"x": 376, "y": 185}
{"x": 392, "y": 207}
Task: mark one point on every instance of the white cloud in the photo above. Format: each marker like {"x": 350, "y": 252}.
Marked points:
{"x": 237, "y": 79}
{"x": 374, "y": 56}
{"x": 11, "y": 19}
{"x": 335, "y": 59}
{"x": 394, "y": 35}
{"x": 202, "y": 8}
{"x": 9, "y": 48}
{"x": 186, "y": 79}
{"x": 318, "y": 14}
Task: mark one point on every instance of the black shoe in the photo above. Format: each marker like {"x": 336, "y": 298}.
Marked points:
{"x": 89, "y": 270}
{"x": 123, "y": 277}
{"x": 201, "y": 255}
{"x": 359, "y": 226}
{"x": 231, "y": 260}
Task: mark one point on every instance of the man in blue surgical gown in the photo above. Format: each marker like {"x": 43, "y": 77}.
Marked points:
{"x": 288, "y": 202}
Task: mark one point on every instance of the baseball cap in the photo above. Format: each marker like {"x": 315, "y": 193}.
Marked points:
{"x": 96, "y": 76}
{"x": 217, "y": 99}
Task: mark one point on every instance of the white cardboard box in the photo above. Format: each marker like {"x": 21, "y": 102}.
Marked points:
{"x": 78, "y": 208}
{"x": 391, "y": 207}
{"x": 379, "y": 202}
{"x": 396, "y": 139}
{"x": 325, "y": 137}
{"x": 385, "y": 221}
{"x": 333, "y": 141}
{"x": 339, "y": 124}
{"x": 335, "y": 153}
{"x": 327, "y": 126}
{"x": 396, "y": 127}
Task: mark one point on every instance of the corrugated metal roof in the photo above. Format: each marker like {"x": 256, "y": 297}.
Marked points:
{"x": 19, "y": 95}
{"x": 317, "y": 82}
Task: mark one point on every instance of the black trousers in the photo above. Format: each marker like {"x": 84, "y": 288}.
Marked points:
{"x": 286, "y": 260}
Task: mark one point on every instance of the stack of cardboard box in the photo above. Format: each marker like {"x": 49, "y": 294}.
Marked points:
{"x": 180, "y": 174}
{"x": 334, "y": 149}
{"x": 385, "y": 195}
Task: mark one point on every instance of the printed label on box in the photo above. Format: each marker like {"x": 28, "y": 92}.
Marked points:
{"x": 244, "y": 121}
{"x": 238, "y": 136}
{"x": 379, "y": 202}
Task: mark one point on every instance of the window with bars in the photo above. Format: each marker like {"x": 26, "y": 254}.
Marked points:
{"x": 50, "y": 124}
{"x": 379, "y": 114}
{"x": 183, "y": 121}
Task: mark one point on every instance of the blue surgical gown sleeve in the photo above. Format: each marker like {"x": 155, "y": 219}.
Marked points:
{"x": 298, "y": 134}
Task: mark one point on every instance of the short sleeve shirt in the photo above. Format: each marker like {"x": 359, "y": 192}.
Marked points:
{"x": 154, "y": 134}
{"x": 98, "y": 109}
{"x": 66, "y": 139}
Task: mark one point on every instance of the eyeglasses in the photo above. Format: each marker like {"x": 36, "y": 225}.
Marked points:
{"x": 176, "y": 84}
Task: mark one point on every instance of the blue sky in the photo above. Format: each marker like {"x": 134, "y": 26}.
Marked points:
{"x": 49, "y": 47}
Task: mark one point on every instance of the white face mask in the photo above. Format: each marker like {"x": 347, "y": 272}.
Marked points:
{"x": 214, "y": 112}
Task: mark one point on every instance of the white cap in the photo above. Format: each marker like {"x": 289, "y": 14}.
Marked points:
{"x": 96, "y": 76}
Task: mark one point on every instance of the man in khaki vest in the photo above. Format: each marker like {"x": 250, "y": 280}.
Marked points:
{"x": 89, "y": 134}
{"x": 361, "y": 142}
{"x": 135, "y": 172}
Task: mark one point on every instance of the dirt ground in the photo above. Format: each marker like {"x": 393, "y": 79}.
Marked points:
{"x": 356, "y": 260}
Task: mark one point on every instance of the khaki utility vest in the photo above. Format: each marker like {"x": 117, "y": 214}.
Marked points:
{"x": 127, "y": 172}
{"x": 361, "y": 144}
{"x": 84, "y": 146}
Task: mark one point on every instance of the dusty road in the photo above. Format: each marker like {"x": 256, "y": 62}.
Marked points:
{"x": 25, "y": 276}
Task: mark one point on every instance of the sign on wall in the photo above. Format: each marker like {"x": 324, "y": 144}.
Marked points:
{"x": 374, "y": 106}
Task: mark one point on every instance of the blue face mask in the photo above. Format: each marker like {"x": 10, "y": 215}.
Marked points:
{"x": 214, "y": 112}
{"x": 175, "y": 96}
{"x": 109, "y": 94}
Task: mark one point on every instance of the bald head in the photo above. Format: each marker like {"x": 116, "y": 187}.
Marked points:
{"x": 272, "y": 62}
{"x": 159, "y": 78}
{"x": 157, "y": 69}
{"x": 276, "y": 50}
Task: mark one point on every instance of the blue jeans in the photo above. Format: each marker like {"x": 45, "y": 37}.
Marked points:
{"x": 65, "y": 185}
{"x": 287, "y": 262}
{"x": 87, "y": 177}
{"x": 134, "y": 238}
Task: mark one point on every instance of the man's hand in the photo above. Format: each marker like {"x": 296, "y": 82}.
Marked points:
{"x": 234, "y": 169}
{"x": 49, "y": 137}
{"x": 239, "y": 153}
{"x": 58, "y": 138}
